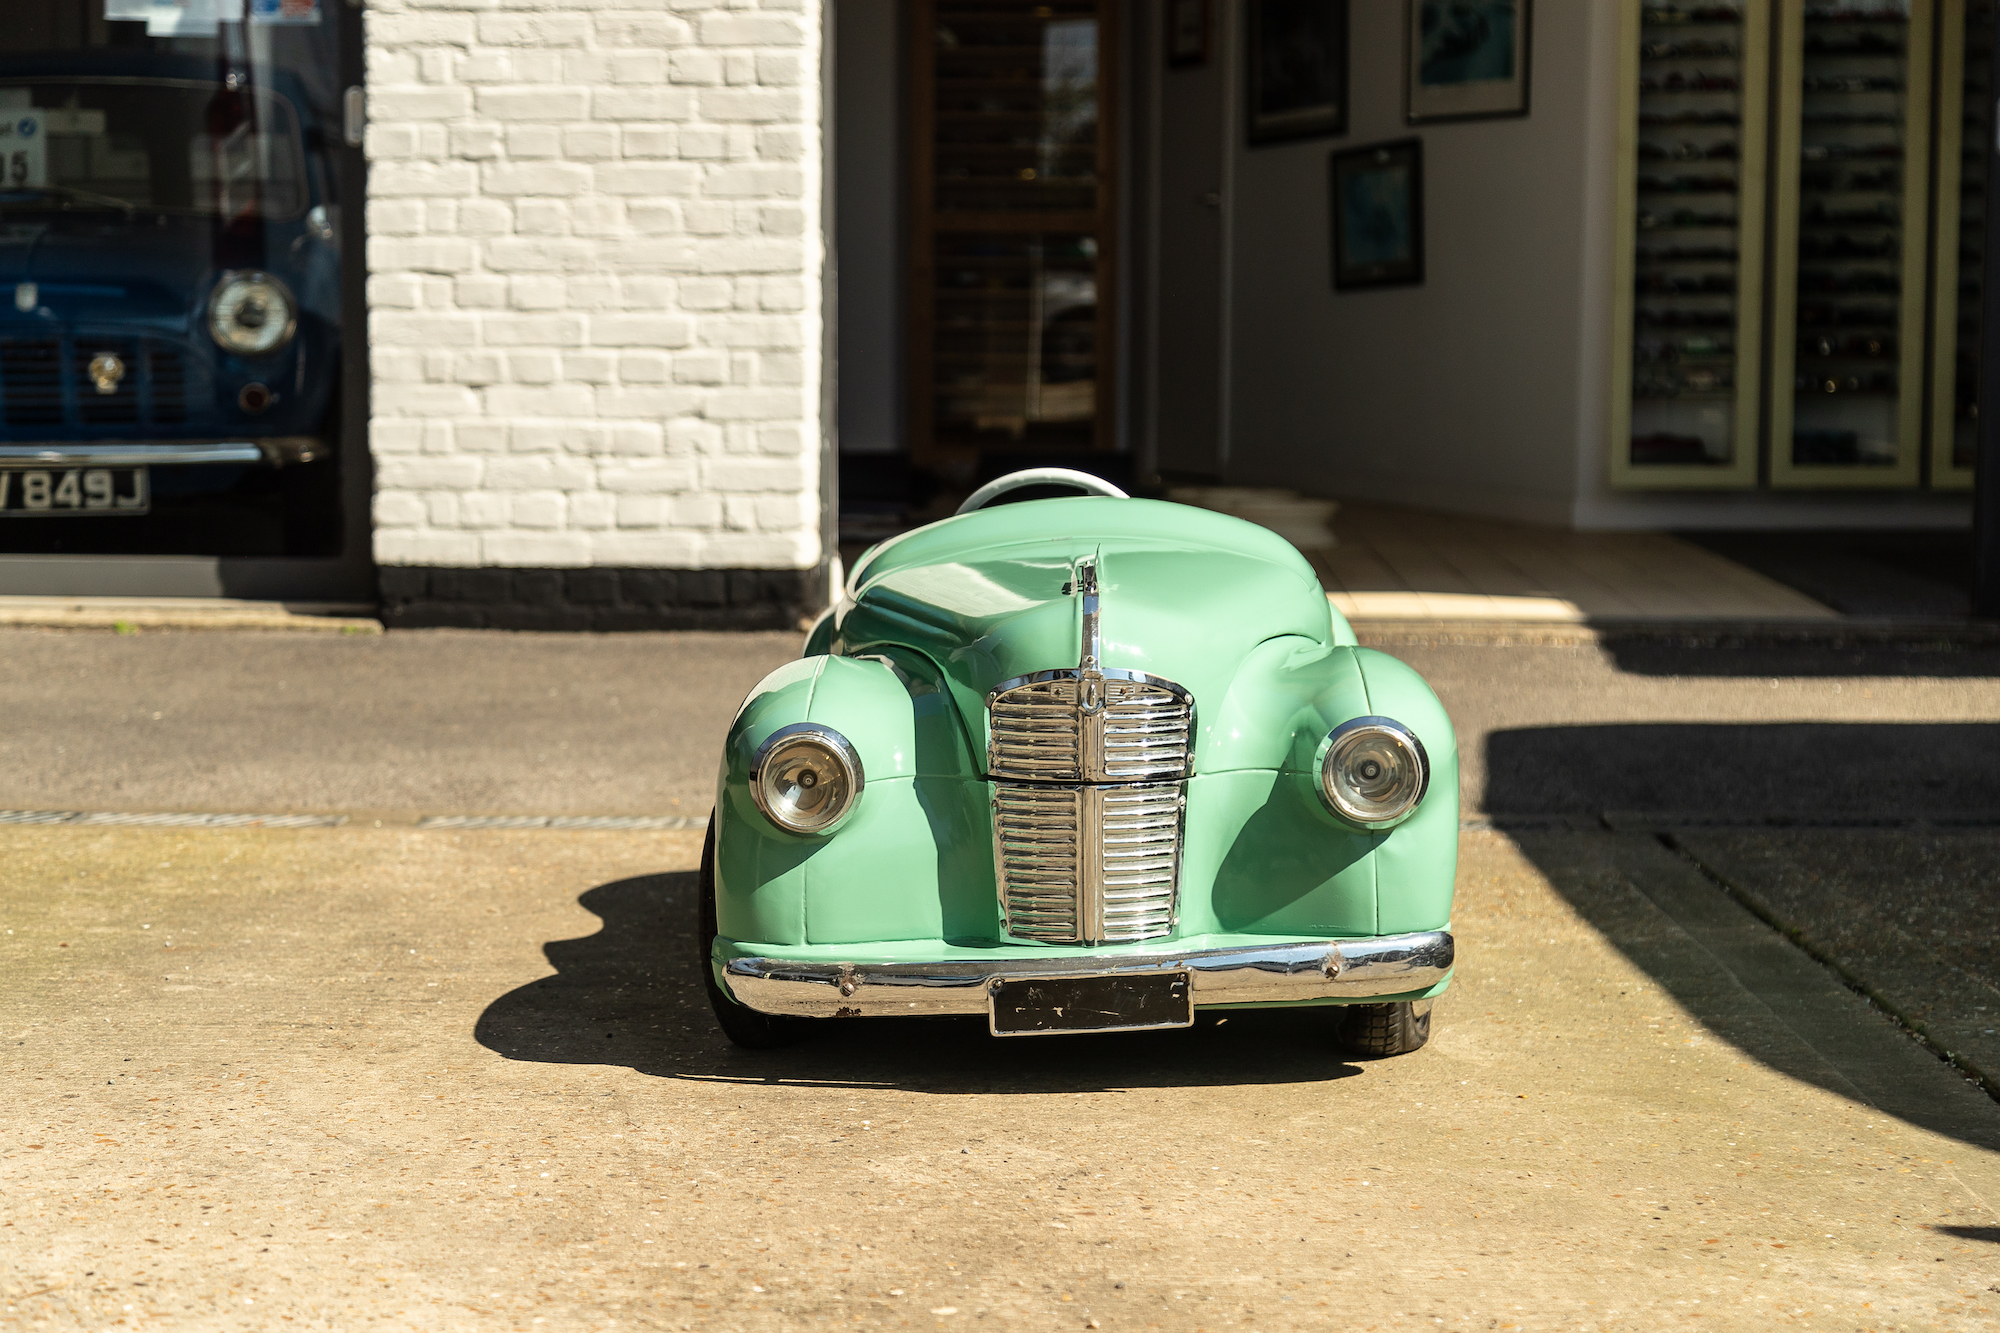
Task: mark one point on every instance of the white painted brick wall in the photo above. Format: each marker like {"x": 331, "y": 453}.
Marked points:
{"x": 594, "y": 282}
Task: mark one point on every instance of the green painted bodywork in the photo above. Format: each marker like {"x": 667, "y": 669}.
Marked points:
{"x": 933, "y": 620}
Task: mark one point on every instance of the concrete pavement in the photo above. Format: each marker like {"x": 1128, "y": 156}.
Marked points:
{"x": 430, "y": 1079}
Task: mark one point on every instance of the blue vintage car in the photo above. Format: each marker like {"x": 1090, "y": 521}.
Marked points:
{"x": 169, "y": 292}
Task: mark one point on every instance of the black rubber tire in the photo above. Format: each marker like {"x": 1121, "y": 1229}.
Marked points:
{"x": 1384, "y": 1029}
{"x": 742, "y": 1025}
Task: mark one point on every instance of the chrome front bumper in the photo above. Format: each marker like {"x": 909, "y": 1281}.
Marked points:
{"x": 1256, "y": 974}
{"x": 277, "y": 451}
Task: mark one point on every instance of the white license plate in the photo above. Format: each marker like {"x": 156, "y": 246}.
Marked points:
{"x": 68, "y": 492}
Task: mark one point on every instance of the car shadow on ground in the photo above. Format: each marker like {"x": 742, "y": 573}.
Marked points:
{"x": 1991, "y": 1235}
{"x": 629, "y": 995}
{"x": 1887, "y": 822}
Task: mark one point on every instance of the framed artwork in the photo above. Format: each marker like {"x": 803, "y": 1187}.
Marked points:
{"x": 1378, "y": 215}
{"x": 1297, "y": 69}
{"x": 1187, "y": 34}
{"x": 1465, "y": 60}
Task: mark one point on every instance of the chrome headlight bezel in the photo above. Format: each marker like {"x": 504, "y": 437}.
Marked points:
{"x": 806, "y": 738}
{"x": 227, "y": 297}
{"x": 1342, "y": 742}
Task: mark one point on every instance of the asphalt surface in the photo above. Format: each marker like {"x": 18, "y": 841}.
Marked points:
{"x": 452, "y": 722}
{"x": 425, "y": 722}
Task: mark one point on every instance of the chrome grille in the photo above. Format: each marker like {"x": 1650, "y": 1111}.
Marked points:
{"x": 1140, "y": 851}
{"x": 1088, "y": 865}
{"x": 1037, "y": 733}
{"x": 1037, "y": 834}
{"x": 1145, "y": 730}
{"x": 168, "y": 376}
{"x": 1088, "y": 793}
{"x": 47, "y": 382}
{"x": 1089, "y": 726}
{"x": 31, "y": 389}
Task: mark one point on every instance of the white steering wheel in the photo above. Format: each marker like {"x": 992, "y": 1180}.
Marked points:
{"x": 1039, "y": 476}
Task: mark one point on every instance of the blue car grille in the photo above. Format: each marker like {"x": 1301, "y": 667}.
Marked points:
{"x": 47, "y": 386}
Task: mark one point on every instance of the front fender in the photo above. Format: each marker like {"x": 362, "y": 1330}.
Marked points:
{"x": 914, "y": 860}
{"x": 1273, "y": 857}
{"x": 1416, "y": 863}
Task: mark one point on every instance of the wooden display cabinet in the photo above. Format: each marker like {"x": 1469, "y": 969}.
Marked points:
{"x": 1013, "y": 194}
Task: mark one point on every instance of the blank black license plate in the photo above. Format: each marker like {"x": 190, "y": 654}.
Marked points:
{"x": 71, "y": 492}
{"x": 1092, "y": 1004}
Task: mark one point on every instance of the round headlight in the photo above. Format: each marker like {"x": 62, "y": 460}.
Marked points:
{"x": 251, "y": 313}
{"x": 1374, "y": 771}
{"x": 806, "y": 778}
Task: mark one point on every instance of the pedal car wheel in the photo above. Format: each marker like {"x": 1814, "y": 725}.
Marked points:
{"x": 1385, "y": 1029}
{"x": 742, "y": 1025}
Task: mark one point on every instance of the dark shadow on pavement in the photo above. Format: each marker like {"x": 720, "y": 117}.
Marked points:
{"x": 1693, "y": 908}
{"x": 1820, "y": 654}
{"x": 1871, "y": 772}
{"x": 629, "y": 995}
{"x": 1860, "y": 573}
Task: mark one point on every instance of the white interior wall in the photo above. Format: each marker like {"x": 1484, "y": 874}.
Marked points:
{"x": 1461, "y": 393}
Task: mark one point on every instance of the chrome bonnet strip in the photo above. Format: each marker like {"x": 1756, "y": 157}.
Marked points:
{"x": 1254, "y": 974}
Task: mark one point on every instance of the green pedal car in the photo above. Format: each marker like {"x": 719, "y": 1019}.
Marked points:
{"x": 1083, "y": 764}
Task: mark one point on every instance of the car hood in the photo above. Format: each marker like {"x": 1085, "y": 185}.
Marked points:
{"x": 1184, "y": 594}
{"x": 91, "y": 266}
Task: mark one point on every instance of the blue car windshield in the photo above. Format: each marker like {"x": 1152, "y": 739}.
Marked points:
{"x": 161, "y": 145}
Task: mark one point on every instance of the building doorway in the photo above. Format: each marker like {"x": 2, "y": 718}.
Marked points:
{"x": 1012, "y": 195}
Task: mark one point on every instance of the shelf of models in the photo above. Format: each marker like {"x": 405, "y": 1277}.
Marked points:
{"x": 1693, "y": 98}
{"x": 1851, "y": 241}
{"x": 1965, "y": 128}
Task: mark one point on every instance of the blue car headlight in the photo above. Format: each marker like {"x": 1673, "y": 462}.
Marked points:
{"x": 251, "y": 313}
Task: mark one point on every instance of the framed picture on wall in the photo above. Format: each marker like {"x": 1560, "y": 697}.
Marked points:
{"x": 1296, "y": 74}
{"x": 1465, "y": 60}
{"x": 1187, "y": 34}
{"x": 1378, "y": 215}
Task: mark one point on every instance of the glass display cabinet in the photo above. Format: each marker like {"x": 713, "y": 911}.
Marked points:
{"x": 1012, "y": 196}
{"x": 1850, "y": 199}
{"x": 1965, "y": 127}
{"x": 1689, "y": 269}
{"x": 1808, "y": 315}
